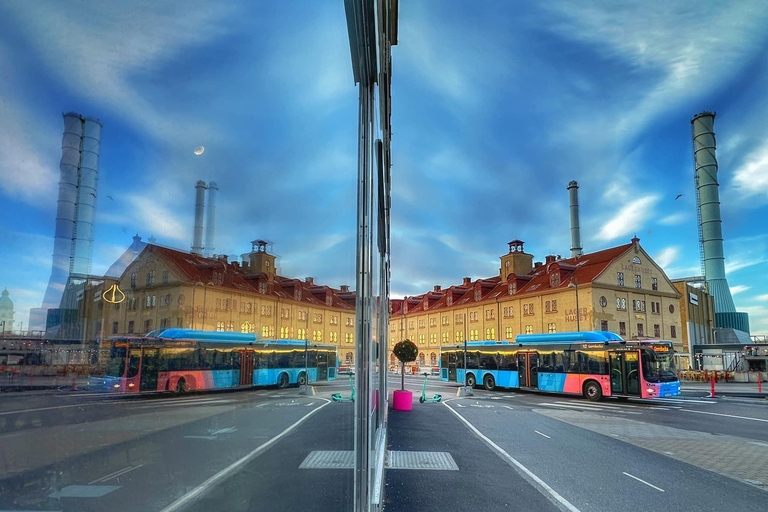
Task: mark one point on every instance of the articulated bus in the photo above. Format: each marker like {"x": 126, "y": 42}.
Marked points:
{"x": 183, "y": 360}
{"x": 594, "y": 364}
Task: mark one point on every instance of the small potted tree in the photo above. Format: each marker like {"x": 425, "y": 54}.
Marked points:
{"x": 406, "y": 352}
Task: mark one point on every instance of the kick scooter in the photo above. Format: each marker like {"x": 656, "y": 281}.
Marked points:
{"x": 336, "y": 397}
{"x": 423, "y": 398}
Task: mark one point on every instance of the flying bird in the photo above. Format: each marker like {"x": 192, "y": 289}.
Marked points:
{"x": 679, "y": 196}
{"x": 110, "y": 197}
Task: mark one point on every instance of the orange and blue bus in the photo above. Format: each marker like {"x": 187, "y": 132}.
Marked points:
{"x": 184, "y": 360}
{"x": 593, "y": 364}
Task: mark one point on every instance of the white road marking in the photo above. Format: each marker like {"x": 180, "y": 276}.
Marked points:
{"x": 228, "y": 430}
{"x": 508, "y": 407}
{"x": 209, "y": 438}
{"x": 541, "y": 484}
{"x": 261, "y": 405}
{"x": 56, "y": 407}
{"x": 643, "y": 481}
{"x": 116, "y": 474}
{"x": 222, "y": 475}
{"x": 757, "y": 443}
{"x": 583, "y": 408}
{"x": 726, "y": 415}
{"x": 459, "y": 405}
{"x": 545, "y": 435}
{"x": 682, "y": 401}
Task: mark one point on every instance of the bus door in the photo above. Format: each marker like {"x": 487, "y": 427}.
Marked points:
{"x": 451, "y": 358}
{"x": 625, "y": 374}
{"x": 246, "y": 368}
{"x": 528, "y": 369}
{"x": 322, "y": 364}
{"x": 150, "y": 362}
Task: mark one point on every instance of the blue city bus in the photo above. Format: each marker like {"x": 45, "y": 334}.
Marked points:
{"x": 591, "y": 363}
{"x": 183, "y": 360}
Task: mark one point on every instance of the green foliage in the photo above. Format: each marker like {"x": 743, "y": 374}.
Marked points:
{"x": 406, "y": 351}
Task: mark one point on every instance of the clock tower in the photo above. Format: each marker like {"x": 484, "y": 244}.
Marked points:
{"x": 516, "y": 261}
{"x": 261, "y": 262}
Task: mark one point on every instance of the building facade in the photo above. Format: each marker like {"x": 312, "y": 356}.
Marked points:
{"x": 164, "y": 288}
{"x": 6, "y": 312}
{"x": 620, "y": 289}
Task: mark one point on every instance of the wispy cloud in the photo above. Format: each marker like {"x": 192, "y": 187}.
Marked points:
{"x": 751, "y": 179}
{"x": 667, "y": 256}
{"x": 675, "y": 219}
{"x": 739, "y": 289}
{"x": 629, "y": 219}
{"x": 763, "y": 297}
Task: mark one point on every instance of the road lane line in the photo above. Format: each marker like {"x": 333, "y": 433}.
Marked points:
{"x": 54, "y": 407}
{"x": 205, "y": 487}
{"x": 643, "y": 481}
{"x": 545, "y": 435}
{"x": 591, "y": 409}
{"x": 541, "y": 484}
{"x": 508, "y": 407}
{"x": 117, "y": 473}
{"x": 726, "y": 415}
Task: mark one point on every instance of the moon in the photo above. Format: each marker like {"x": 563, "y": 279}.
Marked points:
{"x": 199, "y": 150}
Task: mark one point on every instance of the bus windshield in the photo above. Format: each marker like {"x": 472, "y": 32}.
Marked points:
{"x": 116, "y": 363}
{"x": 659, "y": 367}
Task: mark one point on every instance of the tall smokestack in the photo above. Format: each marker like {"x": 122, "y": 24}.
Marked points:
{"x": 197, "y": 237}
{"x": 708, "y": 199}
{"x": 65, "y": 212}
{"x": 210, "y": 221}
{"x": 86, "y": 197}
{"x": 573, "y": 194}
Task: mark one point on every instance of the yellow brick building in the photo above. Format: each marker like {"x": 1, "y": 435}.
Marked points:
{"x": 166, "y": 288}
{"x": 620, "y": 289}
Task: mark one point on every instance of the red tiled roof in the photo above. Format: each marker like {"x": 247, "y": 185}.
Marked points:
{"x": 197, "y": 268}
{"x": 584, "y": 269}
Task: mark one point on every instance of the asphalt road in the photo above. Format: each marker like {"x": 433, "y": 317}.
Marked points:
{"x": 685, "y": 453}
{"x": 240, "y": 451}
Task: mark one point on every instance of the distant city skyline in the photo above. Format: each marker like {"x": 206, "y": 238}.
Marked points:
{"x": 496, "y": 107}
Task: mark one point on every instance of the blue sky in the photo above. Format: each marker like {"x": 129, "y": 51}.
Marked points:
{"x": 496, "y": 107}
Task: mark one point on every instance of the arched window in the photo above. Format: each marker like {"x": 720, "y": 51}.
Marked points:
{"x": 433, "y": 359}
{"x": 349, "y": 357}
{"x": 421, "y": 359}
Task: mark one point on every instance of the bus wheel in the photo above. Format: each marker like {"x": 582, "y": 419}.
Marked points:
{"x": 489, "y": 383}
{"x": 471, "y": 382}
{"x": 282, "y": 381}
{"x": 592, "y": 391}
{"x": 302, "y": 380}
{"x": 181, "y": 386}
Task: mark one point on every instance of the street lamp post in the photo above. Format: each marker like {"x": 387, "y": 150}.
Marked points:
{"x": 575, "y": 284}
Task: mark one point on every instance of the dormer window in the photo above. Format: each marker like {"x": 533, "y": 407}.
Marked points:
{"x": 554, "y": 280}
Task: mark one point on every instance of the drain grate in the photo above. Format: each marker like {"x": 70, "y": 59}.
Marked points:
{"x": 421, "y": 460}
{"x": 343, "y": 459}
{"x": 339, "y": 459}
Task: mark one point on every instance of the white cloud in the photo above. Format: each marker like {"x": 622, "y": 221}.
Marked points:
{"x": 665, "y": 39}
{"x": 739, "y": 288}
{"x": 751, "y": 179}
{"x": 667, "y": 256}
{"x": 763, "y": 297}
{"x": 628, "y": 219}
{"x": 675, "y": 219}
{"x": 733, "y": 264}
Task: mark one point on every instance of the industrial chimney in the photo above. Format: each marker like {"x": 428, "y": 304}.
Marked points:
{"x": 210, "y": 221}
{"x": 573, "y": 194}
{"x": 85, "y": 209}
{"x": 73, "y": 236}
{"x": 710, "y": 224}
{"x": 197, "y": 236}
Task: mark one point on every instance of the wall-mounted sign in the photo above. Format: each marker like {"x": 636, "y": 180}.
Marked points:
{"x": 693, "y": 298}
{"x": 113, "y": 295}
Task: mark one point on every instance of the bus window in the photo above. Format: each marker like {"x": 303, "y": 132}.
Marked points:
{"x": 597, "y": 362}
{"x": 508, "y": 361}
{"x": 488, "y": 361}
{"x": 133, "y": 362}
{"x": 546, "y": 362}
{"x": 116, "y": 363}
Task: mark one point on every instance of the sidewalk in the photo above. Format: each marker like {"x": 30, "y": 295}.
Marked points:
{"x": 734, "y": 389}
